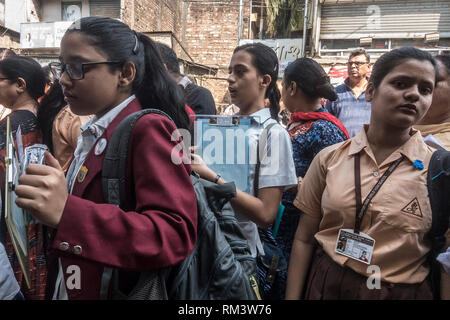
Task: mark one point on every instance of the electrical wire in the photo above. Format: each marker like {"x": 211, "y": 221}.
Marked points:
{"x": 228, "y": 4}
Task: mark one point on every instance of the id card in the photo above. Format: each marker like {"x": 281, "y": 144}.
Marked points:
{"x": 34, "y": 154}
{"x": 356, "y": 246}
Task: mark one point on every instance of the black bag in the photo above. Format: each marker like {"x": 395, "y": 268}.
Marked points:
{"x": 439, "y": 193}
{"x": 219, "y": 267}
{"x": 273, "y": 264}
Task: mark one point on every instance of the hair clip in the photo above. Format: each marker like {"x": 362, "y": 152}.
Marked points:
{"x": 136, "y": 46}
{"x": 418, "y": 164}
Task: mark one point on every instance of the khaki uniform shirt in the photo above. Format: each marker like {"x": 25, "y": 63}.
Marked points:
{"x": 65, "y": 133}
{"x": 440, "y": 131}
{"x": 398, "y": 216}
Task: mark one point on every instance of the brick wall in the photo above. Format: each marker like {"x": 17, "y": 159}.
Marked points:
{"x": 211, "y": 31}
{"x": 208, "y": 30}
{"x": 152, "y": 15}
{"x": 8, "y": 39}
{"x": 210, "y": 35}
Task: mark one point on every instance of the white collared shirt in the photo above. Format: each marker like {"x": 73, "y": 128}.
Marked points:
{"x": 278, "y": 170}
{"x": 184, "y": 82}
{"x": 90, "y": 132}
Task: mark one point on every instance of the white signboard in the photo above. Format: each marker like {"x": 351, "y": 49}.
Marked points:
{"x": 42, "y": 34}
{"x": 287, "y": 50}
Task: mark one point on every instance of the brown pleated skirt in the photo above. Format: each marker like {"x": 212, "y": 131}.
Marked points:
{"x": 330, "y": 281}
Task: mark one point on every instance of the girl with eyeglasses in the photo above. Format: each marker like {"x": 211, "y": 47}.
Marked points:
{"x": 22, "y": 83}
{"x": 110, "y": 71}
{"x": 60, "y": 126}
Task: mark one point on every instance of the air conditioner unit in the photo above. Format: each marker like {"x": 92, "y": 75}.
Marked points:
{"x": 432, "y": 37}
{"x": 365, "y": 42}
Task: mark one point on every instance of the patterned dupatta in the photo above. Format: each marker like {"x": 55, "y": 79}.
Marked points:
{"x": 311, "y": 116}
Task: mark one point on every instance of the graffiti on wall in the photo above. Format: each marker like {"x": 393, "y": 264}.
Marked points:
{"x": 287, "y": 50}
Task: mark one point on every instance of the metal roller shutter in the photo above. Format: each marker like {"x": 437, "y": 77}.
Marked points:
{"x": 105, "y": 8}
{"x": 385, "y": 19}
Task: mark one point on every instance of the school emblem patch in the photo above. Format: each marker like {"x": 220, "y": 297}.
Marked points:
{"x": 82, "y": 174}
{"x": 413, "y": 208}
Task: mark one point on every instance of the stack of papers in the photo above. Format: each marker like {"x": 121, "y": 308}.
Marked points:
{"x": 17, "y": 220}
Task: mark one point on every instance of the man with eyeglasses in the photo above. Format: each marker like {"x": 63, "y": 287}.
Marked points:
{"x": 351, "y": 107}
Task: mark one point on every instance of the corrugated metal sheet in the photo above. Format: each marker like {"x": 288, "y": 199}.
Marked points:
{"x": 392, "y": 19}
{"x": 105, "y": 8}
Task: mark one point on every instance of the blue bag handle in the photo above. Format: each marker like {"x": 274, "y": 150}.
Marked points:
{"x": 277, "y": 220}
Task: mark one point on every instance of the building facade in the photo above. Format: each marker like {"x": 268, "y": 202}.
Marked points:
{"x": 378, "y": 26}
{"x": 204, "y": 33}
{"x": 12, "y": 14}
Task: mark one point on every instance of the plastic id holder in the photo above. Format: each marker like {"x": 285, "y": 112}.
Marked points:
{"x": 223, "y": 143}
{"x": 15, "y": 217}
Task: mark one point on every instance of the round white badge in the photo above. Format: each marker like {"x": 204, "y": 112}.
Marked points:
{"x": 100, "y": 147}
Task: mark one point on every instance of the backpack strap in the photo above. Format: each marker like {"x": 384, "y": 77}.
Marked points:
{"x": 115, "y": 163}
{"x": 114, "y": 172}
{"x": 438, "y": 181}
{"x": 262, "y": 140}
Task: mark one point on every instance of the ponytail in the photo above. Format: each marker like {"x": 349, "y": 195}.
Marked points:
{"x": 157, "y": 89}
{"x": 310, "y": 78}
{"x": 49, "y": 107}
{"x": 274, "y": 98}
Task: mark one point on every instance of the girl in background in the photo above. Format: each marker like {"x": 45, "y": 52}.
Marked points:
{"x": 437, "y": 120}
{"x": 311, "y": 128}
{"x": 22, "y": 83}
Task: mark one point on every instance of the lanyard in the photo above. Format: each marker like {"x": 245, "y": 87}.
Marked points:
{"x": 361, "y": 208}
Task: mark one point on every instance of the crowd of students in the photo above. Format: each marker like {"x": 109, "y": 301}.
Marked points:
{"x": 108, "y": 71}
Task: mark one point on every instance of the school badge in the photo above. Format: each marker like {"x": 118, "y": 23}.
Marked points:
{"x": 413, "y": 208}
{"x": 100, "y": 147}
{"x": 82, "y": 174}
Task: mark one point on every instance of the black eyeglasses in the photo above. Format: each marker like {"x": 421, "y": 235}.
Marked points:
{"x": 356, "y": 63}
{"x": 5, "y": 79}
{"x": 75, "y": 70}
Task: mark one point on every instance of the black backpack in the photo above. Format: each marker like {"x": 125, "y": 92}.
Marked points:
{"x": 439, "y": 194}
{"x": 219, "y": 267}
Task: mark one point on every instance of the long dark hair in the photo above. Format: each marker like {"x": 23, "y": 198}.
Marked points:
{"x": 51, "y": 104}
{"x": 152, "y": 85}
{"x": 311, "y": 78}
{"x": 390, "y": 60}
{"x": 30, "y": 70}
{"x": 36, "y": 79}
{"x": 266, "y": 62}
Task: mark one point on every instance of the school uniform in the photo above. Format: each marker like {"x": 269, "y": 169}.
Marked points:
{"x": 277, "y": 168}
{"x": 65, "y": 133}
{"x": 397, "y": 218}
{"x": 157, "y": 227}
